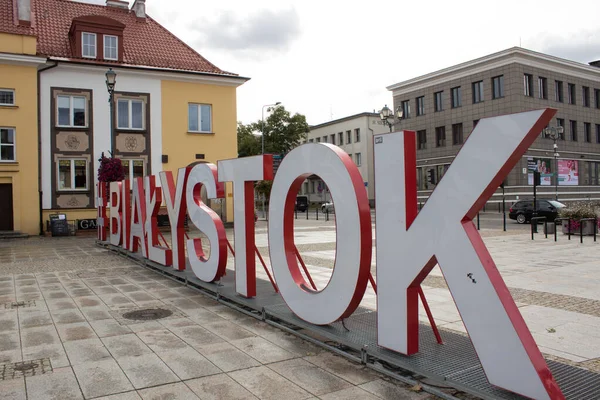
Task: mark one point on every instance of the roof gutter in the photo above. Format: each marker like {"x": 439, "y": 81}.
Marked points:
{"x": 39, "y": 101}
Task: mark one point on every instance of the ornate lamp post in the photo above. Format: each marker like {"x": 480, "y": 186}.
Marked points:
{"x": 262, "y": 124}
{"x": 111, "y": 80}
{"x": 390, "y": 118}
{"x": 554, "y": 132}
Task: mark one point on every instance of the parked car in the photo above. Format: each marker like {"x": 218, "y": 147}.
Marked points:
{"x": 327, "y": 207}
{"x": 522, "y": 210}
{"x": 301, "y": 203}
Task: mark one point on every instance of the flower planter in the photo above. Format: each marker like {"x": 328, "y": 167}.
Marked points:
{"x": 588, "y": 227}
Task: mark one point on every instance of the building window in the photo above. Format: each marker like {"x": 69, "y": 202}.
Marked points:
{"x": 130, "y": 114}
{"x": 318, "y": 140}
{"x": 420, "y": 105}
{"x": 597, "y": 98}
{"x": 457, "y": 134}
{"x": 477, "y": 92}
{"x": 324, "y": 139}
{"x": 475, "y": 122}
{"x": 199, "y": 118}
{"x": 456, "y": 97}
{"x": 587, "y": 132}
{"x": 440, "y": 136}
{"x": 561, "y": 122}
{"x": 111, "y": 47}
{"x": 543, "y": 88}
{"x": 405, "y": 109}
{"x": 72, "y": 174}
{"x": 88, "y": 45}
{"x": 573, "y": 126}
{"x": 71, "y": 111}
{"x": 348, "y": 137}
{"x": 571, "y": 93}
{"x": 7, "y": 144}
{"x": 310, "y": 140}
{"x": 438, "y": 101}
{"x": 341, "y": 138}
{"x": 7, "y": 97}
{"x": 497, "y": 87}
{"x": 357, "y": 135}
{"x": 133, "y": 168}
{"x": 358, "y": 159}
{"x": 585, "y": 94}
{"x": 594, "y": 173}
{"x": 528, "y": 85}
{"x": 312, "y": 186}
{"x": 559, "y": 93}
{"x": 421, "y": 139}
{"x": 332, "y": 138}
{"x": 597, "y": 133}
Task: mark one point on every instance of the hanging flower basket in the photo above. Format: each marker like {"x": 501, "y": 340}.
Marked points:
{"x": 110, "y": 170}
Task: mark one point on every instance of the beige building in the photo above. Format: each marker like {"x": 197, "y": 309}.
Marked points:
{"x": 354, "y": 134}
{"x": 444, "y": 107}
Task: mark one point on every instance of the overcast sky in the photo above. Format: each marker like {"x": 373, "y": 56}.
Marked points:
{"x": 328, "y": 59}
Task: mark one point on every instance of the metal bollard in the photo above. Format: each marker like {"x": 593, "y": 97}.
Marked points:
{"x": 327, "y": 214}
{"x": 317, "y": 211}
{"x": 306, "y": 212}
{"x": 477, "y": 221}
{"x": 295, "y": 213}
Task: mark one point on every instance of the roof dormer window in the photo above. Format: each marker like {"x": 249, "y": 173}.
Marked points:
{"x": 88, "y": 45}
{"x": 111, "y": 47}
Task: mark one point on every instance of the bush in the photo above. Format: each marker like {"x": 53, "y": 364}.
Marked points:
{"x": 580, "y": 210}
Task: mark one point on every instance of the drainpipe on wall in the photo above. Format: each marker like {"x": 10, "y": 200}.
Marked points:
{"x": 371, "y": 160}
{"x": 39, "y": 101}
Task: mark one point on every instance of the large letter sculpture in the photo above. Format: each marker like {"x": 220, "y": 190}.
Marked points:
{"x": 353, "y": 228}
{"x": 410, "y": 245}
{"x": 208, "y": 222}
{"x": 102, "y": 221}
{"x": 176, "y": 207}
{"x": 243, "y": 172}
{"x": 156, "y": 252}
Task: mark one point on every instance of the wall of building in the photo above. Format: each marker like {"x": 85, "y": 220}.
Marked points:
{"x": 183, "y": 147}
{"x": 23, "y": 172}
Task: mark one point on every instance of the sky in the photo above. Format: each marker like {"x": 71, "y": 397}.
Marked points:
{"x": 329, "y": 59}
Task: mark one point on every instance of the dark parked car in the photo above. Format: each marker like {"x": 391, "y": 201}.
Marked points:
{"x": 522, "y": 210}
{"x": 301, "y": 203}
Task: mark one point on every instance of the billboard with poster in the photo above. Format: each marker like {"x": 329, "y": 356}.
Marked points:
{"x": 568, "y": 173}
{"x": 541, "y": 165}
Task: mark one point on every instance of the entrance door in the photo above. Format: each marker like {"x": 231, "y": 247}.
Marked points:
{"x": 6, "y": 207}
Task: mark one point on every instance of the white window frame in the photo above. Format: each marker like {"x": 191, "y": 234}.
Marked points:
{"x": 116, "y": 47}
{"x": 130, "y": 114}
{"x": 13, "y": 96}
{"x": 13, "y": 145}
{"x": 198, "y": 112}
{"x": 129, "y": 174}
{"x": 72, "y": 188}
{"x": 83, "y": 45}
{"x": 72, "y": 113}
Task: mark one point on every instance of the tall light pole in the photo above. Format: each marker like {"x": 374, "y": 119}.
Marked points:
{"x": 262, "y": 124}
{"x": 390, "y": 118}
{"x": 554, "y": 132}
{"x": 111, "y": 80}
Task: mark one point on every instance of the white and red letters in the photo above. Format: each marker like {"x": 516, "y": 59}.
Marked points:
{"x": 409, "y": 244}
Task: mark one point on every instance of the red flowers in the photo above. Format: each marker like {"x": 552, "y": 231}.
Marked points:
{"x": 110, "y": 170}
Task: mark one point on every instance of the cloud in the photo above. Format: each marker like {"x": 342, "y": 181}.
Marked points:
{"x": 583, "y": 46}
{"x": 262, "y": 33}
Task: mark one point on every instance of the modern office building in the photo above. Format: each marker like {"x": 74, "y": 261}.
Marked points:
{"x": 444, "y": 106}
{"x": 354, "y": 134}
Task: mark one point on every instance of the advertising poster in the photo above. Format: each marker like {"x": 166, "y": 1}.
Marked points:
{"x": 541, "y": 165}
{"x": 568, "y": 172}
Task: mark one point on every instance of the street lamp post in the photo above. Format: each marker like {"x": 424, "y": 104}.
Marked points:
{"x": 262, "y": 124}
{"x": 390, "y": 118}
{"x": 111, "y": 80}
{"x": 554, "y": 132}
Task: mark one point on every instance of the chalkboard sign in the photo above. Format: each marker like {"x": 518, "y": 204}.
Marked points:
{"x": 59, "y": 225}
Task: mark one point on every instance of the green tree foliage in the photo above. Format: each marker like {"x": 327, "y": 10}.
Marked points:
{"x": 282, "y": 133}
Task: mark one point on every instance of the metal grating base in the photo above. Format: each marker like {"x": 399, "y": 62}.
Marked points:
{"x": 454, "y": 363}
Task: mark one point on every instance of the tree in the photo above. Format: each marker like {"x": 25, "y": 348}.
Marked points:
{"x": 282, "y": 133}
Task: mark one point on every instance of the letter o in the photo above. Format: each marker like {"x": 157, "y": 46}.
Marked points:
{"x": 354, "y": 244}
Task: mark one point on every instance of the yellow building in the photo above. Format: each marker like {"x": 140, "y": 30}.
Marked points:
{"x": 19, "y": 150}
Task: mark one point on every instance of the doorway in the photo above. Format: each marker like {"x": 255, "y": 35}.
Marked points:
{"x": 6, "y": 207}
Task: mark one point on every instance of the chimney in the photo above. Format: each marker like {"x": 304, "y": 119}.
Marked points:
{"x": 139, "y": 6}
{"x": 123, "y": 5}
{"x": 24, "y": 12}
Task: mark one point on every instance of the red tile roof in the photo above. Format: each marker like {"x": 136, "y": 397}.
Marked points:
{"x": 145, "y": 42}
{"x": 7, "y": 20}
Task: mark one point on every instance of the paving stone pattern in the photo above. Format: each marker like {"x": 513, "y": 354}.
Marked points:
{"x": 74, "y": 329}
